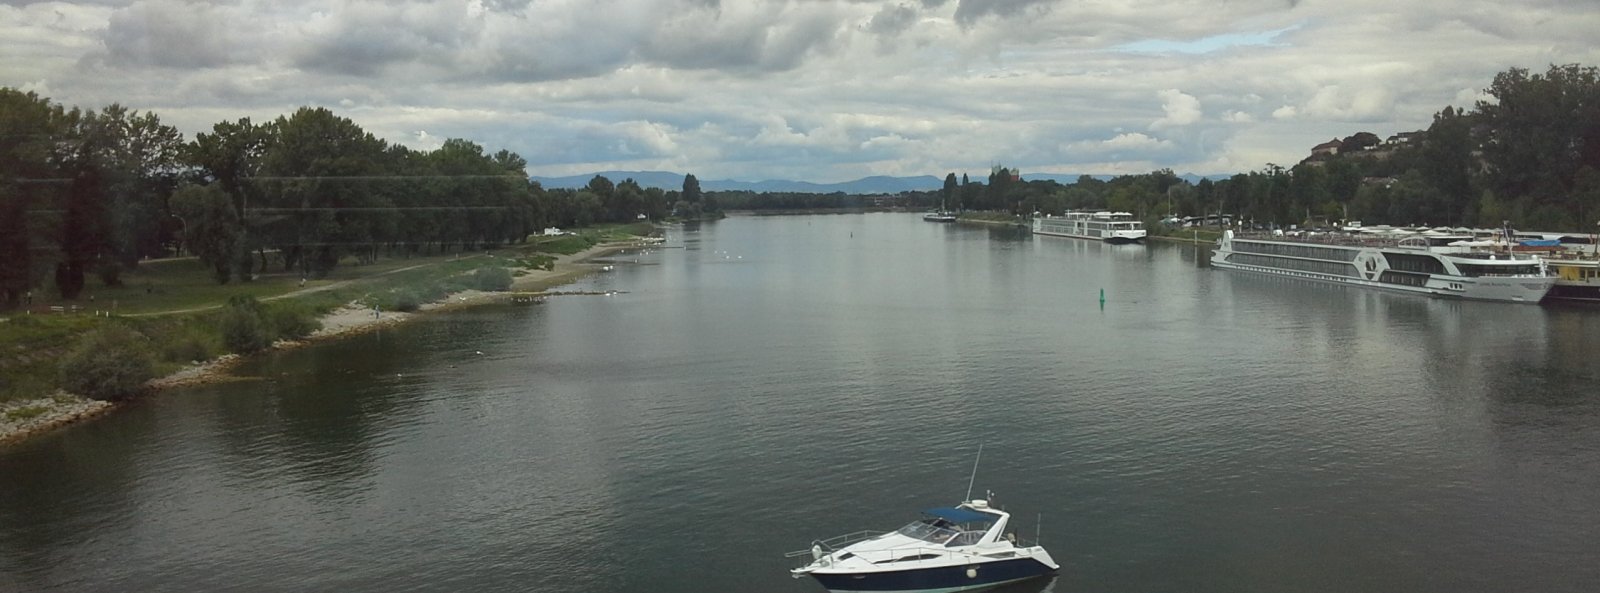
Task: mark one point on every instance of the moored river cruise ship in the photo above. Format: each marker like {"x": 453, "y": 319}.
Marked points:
{"x": 1435, "y": 265}
{"x": 1111, "y": 227}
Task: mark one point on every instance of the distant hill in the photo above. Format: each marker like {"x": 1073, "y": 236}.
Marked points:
{"x": 667, "y": 180}
{"x": 1068, "y": 178}
{"x": 877, "y": 184}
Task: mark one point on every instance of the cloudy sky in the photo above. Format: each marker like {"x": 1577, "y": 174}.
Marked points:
{"x": 820, "y": 90}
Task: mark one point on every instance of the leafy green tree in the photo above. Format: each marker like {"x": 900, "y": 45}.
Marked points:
{"x": 691, "y": 189}
{"x": 1358, "y": 142}
{"x": 83, "y": 224}
{"x": 211, "y": 228}
{"x": 1447, "y": 164}
{"x": 29, "y": 126}
{"x": 322, "y": 167}
{"x": 947, "y": 196}
{"x": 231, "y": 156}
{"x": 1542, "y": 128}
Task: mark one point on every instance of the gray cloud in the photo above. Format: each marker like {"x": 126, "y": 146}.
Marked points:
{"x": 745, "y": 41}
{"x": 893, "y": 19}
{"x": 167, "y": 34}
{"x": 365, "y": 37}
{"x": 969, "y": 11}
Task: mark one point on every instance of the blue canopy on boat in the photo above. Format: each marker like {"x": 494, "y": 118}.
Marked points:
{"x": 960, "y": 515}
{"x": 1540, "y": 243}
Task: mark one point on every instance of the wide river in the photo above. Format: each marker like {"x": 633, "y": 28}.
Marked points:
{"x": 766, "y": 381}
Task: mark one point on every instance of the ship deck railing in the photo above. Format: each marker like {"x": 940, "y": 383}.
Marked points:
{"x": 1349, "y": 240}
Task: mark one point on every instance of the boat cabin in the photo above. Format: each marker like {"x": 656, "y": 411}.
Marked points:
{"x": 953, "y": 526}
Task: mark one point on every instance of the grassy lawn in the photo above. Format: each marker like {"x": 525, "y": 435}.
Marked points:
{"x": 184, "y": 284}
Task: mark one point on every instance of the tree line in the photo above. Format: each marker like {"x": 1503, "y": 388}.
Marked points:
{"x": 93, "y": 192}
{"x": 1529, "y": 153}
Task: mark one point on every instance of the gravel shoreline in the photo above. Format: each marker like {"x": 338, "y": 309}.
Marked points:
{"x": 24, "y": 418}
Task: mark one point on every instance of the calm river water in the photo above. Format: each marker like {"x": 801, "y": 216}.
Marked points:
{"x": 764, "y": 382}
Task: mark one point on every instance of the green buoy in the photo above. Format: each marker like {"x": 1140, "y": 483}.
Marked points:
{"x": 1102, "y": 298}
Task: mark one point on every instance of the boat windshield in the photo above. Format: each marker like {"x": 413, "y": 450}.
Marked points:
{"x": 933, "y": 531}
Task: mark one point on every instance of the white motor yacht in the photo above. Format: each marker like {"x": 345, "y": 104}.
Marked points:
{"x": 961, "y": 548}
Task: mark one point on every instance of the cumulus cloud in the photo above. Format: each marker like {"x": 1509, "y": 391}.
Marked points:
{"x": 1135, "y": 140}
{"x": 1336, "y": 102}
{"x": 1181, "y": 109}
{"x": 1285, "y": 112}
{"x": 1123, "y": 146}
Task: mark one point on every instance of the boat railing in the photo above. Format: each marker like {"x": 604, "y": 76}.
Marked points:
{"x": 828, "y": 546}
{"x": 1374, "y": 241}
{"x": 833, "y": 544}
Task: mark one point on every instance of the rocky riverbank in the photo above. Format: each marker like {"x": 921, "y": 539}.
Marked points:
{"x": 24, "y": 418}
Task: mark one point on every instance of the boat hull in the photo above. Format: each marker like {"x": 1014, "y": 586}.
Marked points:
{"x": 1118, "y": 228}
{"x": 943, "y": 579}
{"x": 1574, "y": 292}
{"x": 1396, "y": 269}
{"x": 1527, "y": 291}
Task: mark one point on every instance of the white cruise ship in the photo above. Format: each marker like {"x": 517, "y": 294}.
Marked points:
{"x": 1435, "y": 265}
{"x": 1111, "y": 227}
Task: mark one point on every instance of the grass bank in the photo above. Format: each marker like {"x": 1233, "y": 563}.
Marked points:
{"x": 181, "y": 312}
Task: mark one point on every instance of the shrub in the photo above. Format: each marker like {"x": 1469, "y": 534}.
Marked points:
{"x": 406, "y": 300}
{"x": 243, "y": 330}
{"x": 183, "y": 341}
{"x": 109, "y": 363}
{"x": 289, "y": 320}
{"x": 496, "y": 279}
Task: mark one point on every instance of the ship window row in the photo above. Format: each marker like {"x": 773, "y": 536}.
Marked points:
{"x": 1311, "y": 251}
{"x": 1424, "y": 264}
{"x": 1403, "y": 279}
{"x": 1475, "y": 270}
{"x": 1320, "y": 267}
{"x": 1082, "y": 226}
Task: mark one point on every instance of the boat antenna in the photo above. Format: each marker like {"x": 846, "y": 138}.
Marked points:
{"x": 1038, "y": 527}
{"x": 974, "y": 477}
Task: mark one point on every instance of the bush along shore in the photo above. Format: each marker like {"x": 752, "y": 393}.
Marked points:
{"x": 62, "y": 369}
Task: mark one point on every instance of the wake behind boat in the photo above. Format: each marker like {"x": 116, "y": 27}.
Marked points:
{"x": 960, "y": 548}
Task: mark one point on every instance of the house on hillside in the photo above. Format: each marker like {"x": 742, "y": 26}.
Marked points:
{"x": 1328, "y": 148}
{"x": 1404, "y": 138}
